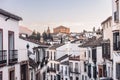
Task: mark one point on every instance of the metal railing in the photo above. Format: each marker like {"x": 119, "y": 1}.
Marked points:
{"x": 13, "y": 56}
{"x": 3, "y": 56}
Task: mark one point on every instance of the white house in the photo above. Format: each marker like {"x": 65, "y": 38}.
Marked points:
{"x": 97, "y": 61}
{"x": 53, "y": 65}
{"x": 116, "y": 40}
{"x": 10, "y": 66}
{"x": 74, "y": 67}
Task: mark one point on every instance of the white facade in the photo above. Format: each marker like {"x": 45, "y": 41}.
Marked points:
{"x": 75, "y": 69}
{"x": 6, "y": 26}
{"x": 116, "y": 33}
{"x": 52, "y": 70}
{"x": 64, "y": 72}
{"x": 14, "y": 50}
{"x": 68, "y": 48}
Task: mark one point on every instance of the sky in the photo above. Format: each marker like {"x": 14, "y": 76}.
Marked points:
{"x": 75, "y": 14}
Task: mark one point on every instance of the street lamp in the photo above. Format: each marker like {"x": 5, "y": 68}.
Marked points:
{"x": 27, "y": 46}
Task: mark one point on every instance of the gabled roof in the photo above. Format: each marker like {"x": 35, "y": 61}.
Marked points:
{"x": 74, "y": 58}
{"x": 65, "y": 63}
{"x": 109, "y": 18}
{"x": 63, "y": 57}
{"x": 10, "y": 15}
{"x": 55, "y": 46}
{"x": 92, "y": 42}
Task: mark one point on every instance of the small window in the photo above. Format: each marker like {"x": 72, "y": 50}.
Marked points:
{"x": 85, "y": 54}
{"x": 89, "y": 53}
{"x": 82, "y": 77}
{"x": 51, "y": 55}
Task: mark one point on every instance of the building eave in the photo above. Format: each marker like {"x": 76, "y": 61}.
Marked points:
{"x": 10, "y": 15}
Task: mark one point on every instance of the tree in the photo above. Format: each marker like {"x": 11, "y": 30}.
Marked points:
{"x": 35, "y": 36}
{"x": 44, "y": 35}
{"x": 38, "y": 36}
{"x": 34, "y": 32}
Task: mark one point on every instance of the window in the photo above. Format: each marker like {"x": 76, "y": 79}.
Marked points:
{"x": 109, "y": 71}
{"x": 0, "y": 75}
{"x": 10, "y": 40}
{"x": 37, "y": 56}
{"x": 54, "y": 66}
{"x": 89, "y": 71}
{"x": 82, "y": 77}
{"x": 94, "y": 54}
{"x": 84, "y": 67}
{"x": 48, "y": 54}
{"x": 71, "y": 66}
{"x": 57, "y": 67}
{"x": 76, "y": 67}
{"x": 1, "y": 39}
{"x": 62, "y": 69}
{"x": 117, "y": 70}
{"x": 116, "y": 13}
{"x": 54, "y": 56}
{"x": 116, "y": 41}
{"x": 51, "y": 55}
{"x": 65, "y": 70}
{"x": 89, "y": 53}
{"x": 106, "y": 50}
{"x": 85, "y": 54}
{"x": 94, "y": 72}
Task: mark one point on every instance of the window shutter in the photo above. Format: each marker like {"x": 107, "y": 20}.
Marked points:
{"x": 114, "y": 41}
{"x": 94, "y": 54}
{"x": 104, "y": 71}
{"x": 89, "y": 71}
{"x": 94, "y": 72}
{"x": 117, "y": 71}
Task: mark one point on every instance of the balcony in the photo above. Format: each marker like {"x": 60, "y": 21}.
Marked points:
{"x": 13, "y": 56}
{"x": 76, "y": 71}
{"x": 51, "y": 70}
{"x": 3, "y": 57}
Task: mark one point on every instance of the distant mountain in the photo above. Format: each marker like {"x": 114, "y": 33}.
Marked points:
{"x": 24, "y": 30}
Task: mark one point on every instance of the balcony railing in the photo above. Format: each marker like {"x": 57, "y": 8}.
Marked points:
{"x": 3, "y": 57}
{"x": 51, "y": 70}
{"x": 13, "y": 56}
{"x": 76, "y": 71}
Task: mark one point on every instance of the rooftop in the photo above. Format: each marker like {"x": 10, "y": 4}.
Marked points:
{"x": 93, "y": 42}
{"x": 55, "y": 46}
{"x": 63, "y": 57}
{"x": 75, "y": 58}
{"x": 109, "y": 18}
{"x": 60, "y": 27}
{"x": 10, "y": 15}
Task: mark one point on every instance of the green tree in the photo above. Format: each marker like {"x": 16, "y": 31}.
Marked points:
{"x": 44, "y": 35}
{"x": 38, "y": 36}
